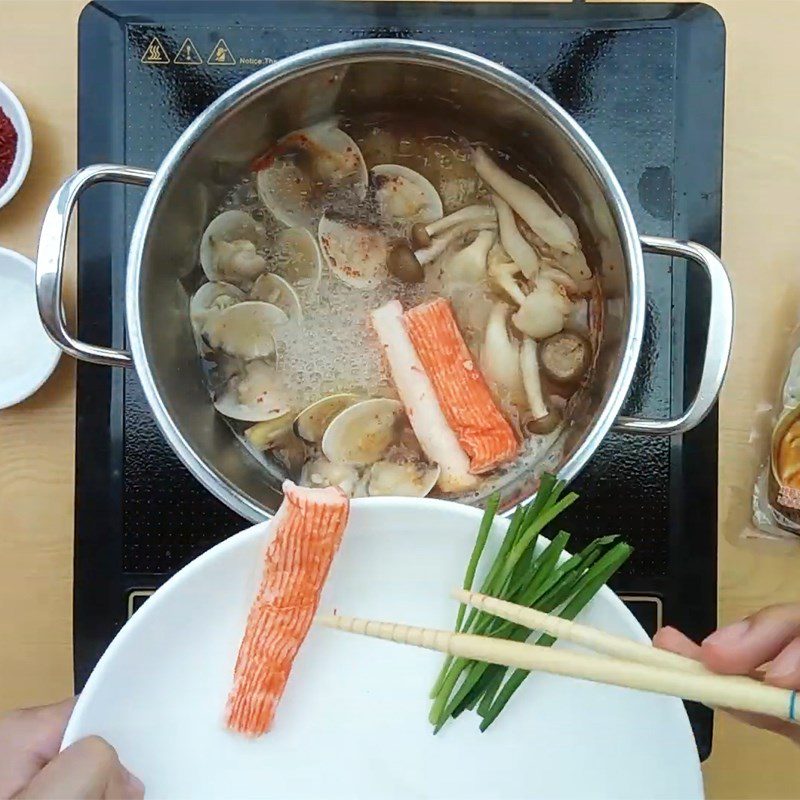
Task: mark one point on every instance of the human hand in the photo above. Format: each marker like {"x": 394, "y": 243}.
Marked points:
{"x": 32, "y": 768}
{"x": 770, "y": 639}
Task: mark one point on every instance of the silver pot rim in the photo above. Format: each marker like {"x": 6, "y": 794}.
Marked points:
{"x": 390, "y": 50}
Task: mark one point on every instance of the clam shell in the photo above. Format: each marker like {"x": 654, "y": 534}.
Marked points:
{"x": 410, "y": 479}
{"x": 363, "y": 432}
{"x": 296, "y": 198}
{"x": 312, "y": 422}
{"x": 264, "y": 435}
{"x": 210, "y": 299}
{"x": 405, "y": 196}
{"x": 235, "y": 229}
{"x": 245, "y": 329}
{"x": 279, "y": 292}
{"x": 299, "y": 258}
{"x": 354, "y": 252}
{"x": 256, "y": 395}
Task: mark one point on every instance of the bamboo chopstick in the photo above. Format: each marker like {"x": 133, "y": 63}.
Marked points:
{"x": 737, "y": 692}
{"x": 592, "y": 638}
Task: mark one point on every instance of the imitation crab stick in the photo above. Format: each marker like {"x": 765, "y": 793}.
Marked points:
{"x": 460, "y": 387}
{"x": 435, "y": 436}
{"x": 307, "y": 531}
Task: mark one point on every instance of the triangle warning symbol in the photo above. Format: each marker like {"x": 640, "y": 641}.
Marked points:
{"x": 155, "y": 53}
{"x": 221, "y": 55}
{"x": 188, "y": 54}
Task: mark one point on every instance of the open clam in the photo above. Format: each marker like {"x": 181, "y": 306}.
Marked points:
{"x": 245, "y": 330}
{"x": 273, "y": 289}
{"x": 255, "y": 395}
{"x": 296, "y": 178}
{"x": 267, "y": 434}
{"x": 407, "y": 479}
{"x": 228, "y": 249}
{"x": 298, "y": 258}
{"x": 355, "y": 252}
{"x": 210, "y": 299}
{"x": 362, "y": 433}
{"x": 312, "y": 422}
{"x": 405, "y": 197}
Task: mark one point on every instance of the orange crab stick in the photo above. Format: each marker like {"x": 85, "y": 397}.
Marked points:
{"x": 465, "y": 398}
{"x": 307, "y": 531}
{"x": 435, "y": 436}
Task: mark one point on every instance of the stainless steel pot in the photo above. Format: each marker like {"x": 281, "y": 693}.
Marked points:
{"x": 350, "y": 78}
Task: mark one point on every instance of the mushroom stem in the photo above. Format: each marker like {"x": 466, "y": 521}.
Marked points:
{"x": 441, "y": 243}
{"x": 528, "y": 203}
{"x": 513, "y": 241}
{"x": 560, "y": 277}
{"x": 473, "y": 213}
{"x": 500, "y": 356}
{"x": 543, "y": 419}
{"x": 531, "y": 379}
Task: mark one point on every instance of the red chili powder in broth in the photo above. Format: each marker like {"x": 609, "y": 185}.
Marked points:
{"x": 8, "y": 146}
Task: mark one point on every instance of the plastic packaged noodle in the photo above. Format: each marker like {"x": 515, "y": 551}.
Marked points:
{"x": 776, "y": 495}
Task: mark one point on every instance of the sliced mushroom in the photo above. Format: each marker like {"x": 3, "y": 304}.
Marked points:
{"x": 574, "y": 264}
{"x": 210, "y": 299}
{"x": 542, "y": 419}
{"x": 297, "y": 177}
{"x": 407, "y": 479}
{"x": 279, "y": 292}
{"x": 565, "y": 357}
{"x": 312, "y": 422}
{"x": 245, "y": 330}
{"x": 544, "y": 310}
{"x": 467, "y": 265}
{"x": 514, "y": 243}
{"x": 503, "y": 276}
{"x": 356, "y": 253}
{"x": 257, "y": 395}
{"x": 405, "y": 197}
{"x": 228, "y": 249}
{"x": 362, "y": 433}
{"x": 526, "y": 202}
{"x": 298, "y": 257}
{"x": 499, "y": 358}
{"x": 320, "y": 472}
{"x": 560, "y": 277}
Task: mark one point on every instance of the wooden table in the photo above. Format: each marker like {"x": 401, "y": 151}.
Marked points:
{"x": 38, "y": 52}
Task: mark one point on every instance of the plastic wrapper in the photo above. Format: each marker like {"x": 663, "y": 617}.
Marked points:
{"x": 776, "y": 494}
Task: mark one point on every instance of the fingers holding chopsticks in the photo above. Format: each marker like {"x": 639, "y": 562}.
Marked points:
{"x": 770, "y": 635}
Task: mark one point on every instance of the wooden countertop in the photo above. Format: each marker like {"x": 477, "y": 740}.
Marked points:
{"x": 38, "y": 58}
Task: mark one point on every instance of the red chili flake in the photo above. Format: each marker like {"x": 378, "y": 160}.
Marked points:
{"x": 8, "y": 146}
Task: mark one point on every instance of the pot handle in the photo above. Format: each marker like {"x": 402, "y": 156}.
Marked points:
{"x": 50, "y": 259}
{"x": 718, "y": 345}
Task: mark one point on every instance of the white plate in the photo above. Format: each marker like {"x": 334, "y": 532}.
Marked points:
{"x": 352, "y": 723}
{"x": 22, "y": 160}
{"x": 27, "y": 354}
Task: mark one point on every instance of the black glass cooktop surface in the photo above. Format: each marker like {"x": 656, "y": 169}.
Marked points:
{"x": 646, "y": 81}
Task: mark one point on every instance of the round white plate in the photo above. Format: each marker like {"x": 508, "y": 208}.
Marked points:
{"x": 22, "y": 160}
{"x": 27, "y": 354}
{"x": 353, "y": 720}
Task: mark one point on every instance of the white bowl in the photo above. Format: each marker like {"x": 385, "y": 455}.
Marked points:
{"x": 27, "y": 354}
{"x": 19, "y": 169}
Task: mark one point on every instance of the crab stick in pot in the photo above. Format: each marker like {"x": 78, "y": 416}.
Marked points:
{"x": 435, "y": 436}
{"x": 482, "y": 430}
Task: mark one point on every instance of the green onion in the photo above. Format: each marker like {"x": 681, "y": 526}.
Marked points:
{"x": 521, "y": 575}
{"x": 584, "y": 592}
